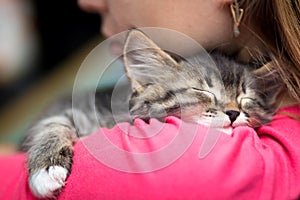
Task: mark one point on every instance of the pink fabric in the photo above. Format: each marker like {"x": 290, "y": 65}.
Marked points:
{"x": 261, "y": 164}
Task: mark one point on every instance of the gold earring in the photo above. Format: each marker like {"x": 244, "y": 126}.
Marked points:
{"x": 237, "y": 14}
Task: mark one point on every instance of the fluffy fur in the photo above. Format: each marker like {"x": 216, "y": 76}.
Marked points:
{"x": 222, "y": 94}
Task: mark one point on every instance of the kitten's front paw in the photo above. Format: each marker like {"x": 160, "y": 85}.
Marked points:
{"x": 48, "y": 182}
{"x": 49, "y": 167}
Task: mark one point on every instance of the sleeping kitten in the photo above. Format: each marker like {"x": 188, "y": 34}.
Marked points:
{"x": 223, "y": 95}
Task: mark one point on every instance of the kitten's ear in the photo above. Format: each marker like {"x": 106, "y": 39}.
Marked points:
{"x": 269, "y": 81}
{"x": 145, "y": 63}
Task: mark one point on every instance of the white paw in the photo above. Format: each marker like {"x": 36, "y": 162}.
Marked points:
{"x": 45, "y": 183}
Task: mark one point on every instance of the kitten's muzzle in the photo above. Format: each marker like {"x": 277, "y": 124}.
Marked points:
{"x": 233, "y": 114}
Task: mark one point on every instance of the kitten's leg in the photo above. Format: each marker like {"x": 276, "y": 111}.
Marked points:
{"x": 50, "y": 151}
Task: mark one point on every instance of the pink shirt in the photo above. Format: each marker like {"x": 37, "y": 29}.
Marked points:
{"x": 176, "y": 160}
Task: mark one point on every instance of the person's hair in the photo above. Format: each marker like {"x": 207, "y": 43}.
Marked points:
{"x": 278, "y": 22}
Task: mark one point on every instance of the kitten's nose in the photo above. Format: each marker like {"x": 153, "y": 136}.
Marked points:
{"x": 233, "y": 114}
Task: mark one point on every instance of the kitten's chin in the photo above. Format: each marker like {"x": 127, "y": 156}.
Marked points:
{"x": 227, "y": 130}
{"x": 215, "y": 122}
{"x": 221, "y": 124}
{"x": 234, "y": 125}
{"x": 241, "y": 120}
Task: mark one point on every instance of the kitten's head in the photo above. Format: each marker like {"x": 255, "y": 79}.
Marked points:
{"x": 257, "y": 96}
{"x": 193, "y": 89}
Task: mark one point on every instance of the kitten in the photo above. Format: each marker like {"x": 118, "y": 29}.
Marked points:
{"x": 223, "y": 95}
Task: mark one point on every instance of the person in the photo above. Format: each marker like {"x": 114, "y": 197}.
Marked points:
{"x": 261, "y": 163}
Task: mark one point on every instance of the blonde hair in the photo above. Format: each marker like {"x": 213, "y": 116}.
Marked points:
{"x": 278, "y": 22}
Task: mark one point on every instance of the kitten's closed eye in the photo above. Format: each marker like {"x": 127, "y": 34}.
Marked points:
{"x": 206, "y": 95}
{"x": 248, "y": 103}
{"x": 255, "y": 114}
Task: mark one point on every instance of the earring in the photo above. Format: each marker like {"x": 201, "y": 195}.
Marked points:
{"x": 237, "y": 14}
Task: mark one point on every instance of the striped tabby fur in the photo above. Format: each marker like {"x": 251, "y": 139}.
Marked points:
{"x": 224, "y": 94}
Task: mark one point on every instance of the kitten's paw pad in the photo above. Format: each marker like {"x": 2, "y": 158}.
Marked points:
{"x": 46, "y": 183}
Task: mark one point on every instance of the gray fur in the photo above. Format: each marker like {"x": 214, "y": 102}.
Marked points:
{"x": 160, "y": 86}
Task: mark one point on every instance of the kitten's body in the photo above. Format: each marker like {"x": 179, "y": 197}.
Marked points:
{"x": 228, "y": 94}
